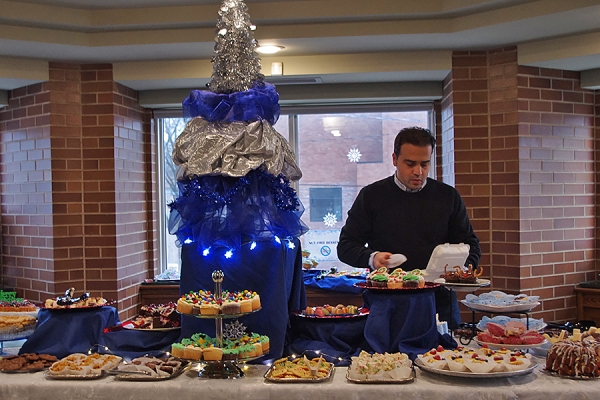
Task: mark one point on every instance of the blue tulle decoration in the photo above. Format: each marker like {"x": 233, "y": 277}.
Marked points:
{"x": 259, "y": 102}
{"x": 227, "y": 211}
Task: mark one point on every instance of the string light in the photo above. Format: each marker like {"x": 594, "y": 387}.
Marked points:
{"x": 318, "y": 352}
{"x": 277, "y": 239}
{"x": 253, "y": 246}
{"x": 228, "y": 253}
{"x": 205, "y": 252}
{"x": 291, "y": 245}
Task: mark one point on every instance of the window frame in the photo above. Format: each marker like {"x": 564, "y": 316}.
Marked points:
{"x": 292, "y": 111}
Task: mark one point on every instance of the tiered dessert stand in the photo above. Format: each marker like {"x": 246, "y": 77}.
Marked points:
{"x": 224, "y": 369}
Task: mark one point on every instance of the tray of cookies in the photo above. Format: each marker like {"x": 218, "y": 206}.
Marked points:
{"x": 27, "y": 362}
{"x": 300, "y": 370}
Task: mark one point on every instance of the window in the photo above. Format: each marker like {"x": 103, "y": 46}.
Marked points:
{"x": 339, "y": 152}
{"x": 325, "y": 203}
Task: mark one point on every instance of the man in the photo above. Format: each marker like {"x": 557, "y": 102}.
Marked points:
{"x": 408, "y": 213}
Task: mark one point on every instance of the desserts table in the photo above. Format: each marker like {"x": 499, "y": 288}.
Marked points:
{"x": 537, "y": 385}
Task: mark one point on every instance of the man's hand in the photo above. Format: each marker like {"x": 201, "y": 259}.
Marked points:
{"x": 381, "y": 259}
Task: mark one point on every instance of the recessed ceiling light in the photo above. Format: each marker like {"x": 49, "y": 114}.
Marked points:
{"x": 269, "y": 49}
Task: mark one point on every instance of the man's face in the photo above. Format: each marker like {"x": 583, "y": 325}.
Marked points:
{"x": 412, "y": 165}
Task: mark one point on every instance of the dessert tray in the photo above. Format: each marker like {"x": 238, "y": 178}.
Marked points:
{"x": 428, "y": 285}
{"x": 504, "y": 374}
{"x": 500, "y": 309}
{"x": 463, "y": 287}
{"x": 221, "y": 316}
{"x": 98, "y": 375}
{"x": 82, "y": 366}
{"x": 132, "y": 327}
{"x": 511, "y": 346}
{"x": 129, "y": 371}
{"x": 83, "y": 308}
{"x": 298, "y": 371}
{"x": 534, "y": 324}
{"x": 410, "y": 379}
{"x": 26, "y": 363}
{"x": 362, "y": 312}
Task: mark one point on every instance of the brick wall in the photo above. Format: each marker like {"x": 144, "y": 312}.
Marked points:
{"x": 26, "y": 192}
{"x": 522, "y": 143}
{"x": 82, "y": 198}
{"x": 557, "y": 181}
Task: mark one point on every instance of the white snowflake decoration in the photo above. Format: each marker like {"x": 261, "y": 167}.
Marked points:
{"x": 330, "y": 220}
{"x": 354, "y": 155}
{"x": 234, "y": 330}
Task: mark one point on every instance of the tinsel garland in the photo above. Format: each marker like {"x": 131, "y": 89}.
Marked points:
{"x": 226, "y": 211}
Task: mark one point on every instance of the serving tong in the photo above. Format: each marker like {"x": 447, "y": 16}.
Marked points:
{"x": 313, "y": 370}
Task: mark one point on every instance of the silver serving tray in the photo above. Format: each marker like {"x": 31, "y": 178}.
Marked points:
{"x": 86, "y": 377}
{"x": 220, "y": 316}
{"x": 141, "y": 376}
{"x": 270, "y": 378}
{"x": 22, "y": 371}
{"x": 506, "y": 374}
{"x": 380, "y": 381}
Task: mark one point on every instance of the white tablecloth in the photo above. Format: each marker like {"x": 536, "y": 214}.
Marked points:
{"x": 537, "y": 385}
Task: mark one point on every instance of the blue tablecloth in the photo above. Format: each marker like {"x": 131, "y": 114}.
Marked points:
{"x": 272, "y": 270}
{"x": 63, "y": 332}
{"x": 403, "y": 320}
{"x": 334, "y": 337}
{"x": 344, "y": 283}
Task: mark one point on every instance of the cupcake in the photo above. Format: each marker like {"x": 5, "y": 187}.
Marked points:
{"x": 410, "y": 281}
{"x": 479, "y": 365}
{"x": 421, "y": 275}
{"x": 192, "y": 352}
{"x": 378, "y": 278}
{"x": 456, "y": 363}
{"x": 212, "y": 354}
{"x": 516, "y": 363}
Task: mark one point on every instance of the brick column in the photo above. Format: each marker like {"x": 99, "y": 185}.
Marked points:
{"x": 81, "y": 189}
{"x": 537, "y": 230}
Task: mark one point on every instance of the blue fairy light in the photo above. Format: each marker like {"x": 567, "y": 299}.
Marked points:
{"x": 291, "y": 245}
{"x": 188, "y": 241}
{"x": 277, "y": 239}
{"x": 228, "y": 253}
{"x": 253, "y": 246}
{"x": 205, "y": 252}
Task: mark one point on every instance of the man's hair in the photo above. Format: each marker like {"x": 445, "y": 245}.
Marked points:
{"x": 416, "y": 136}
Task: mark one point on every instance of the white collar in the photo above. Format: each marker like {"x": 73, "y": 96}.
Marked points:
{"x": 404, "y": 188}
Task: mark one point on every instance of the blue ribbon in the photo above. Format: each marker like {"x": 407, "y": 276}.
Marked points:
{"x": 259, "y": 102}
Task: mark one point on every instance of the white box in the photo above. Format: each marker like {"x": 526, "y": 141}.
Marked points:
{"x": 450, "y": 254}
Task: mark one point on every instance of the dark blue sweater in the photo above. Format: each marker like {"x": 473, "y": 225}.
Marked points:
{"x": 390, "y": 219}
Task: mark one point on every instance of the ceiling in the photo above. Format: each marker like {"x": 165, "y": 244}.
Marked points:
{"x": 167, "y": 44}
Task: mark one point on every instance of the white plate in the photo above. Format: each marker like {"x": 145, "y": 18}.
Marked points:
{"x": 505, "y": 374}
{"x": 534, "y": 324}
{"x": 500, "y": 309}
{"x": 496, "y": 346}
{"x": 464, "y": 287}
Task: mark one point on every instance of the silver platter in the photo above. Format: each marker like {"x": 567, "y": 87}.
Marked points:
{"x": 269, "y": 377}
{"x": 507, "y": 374}
{"x": 86, "y": 377}
{"x": 129, "y": 376}
{"x": 411, "y": 379}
